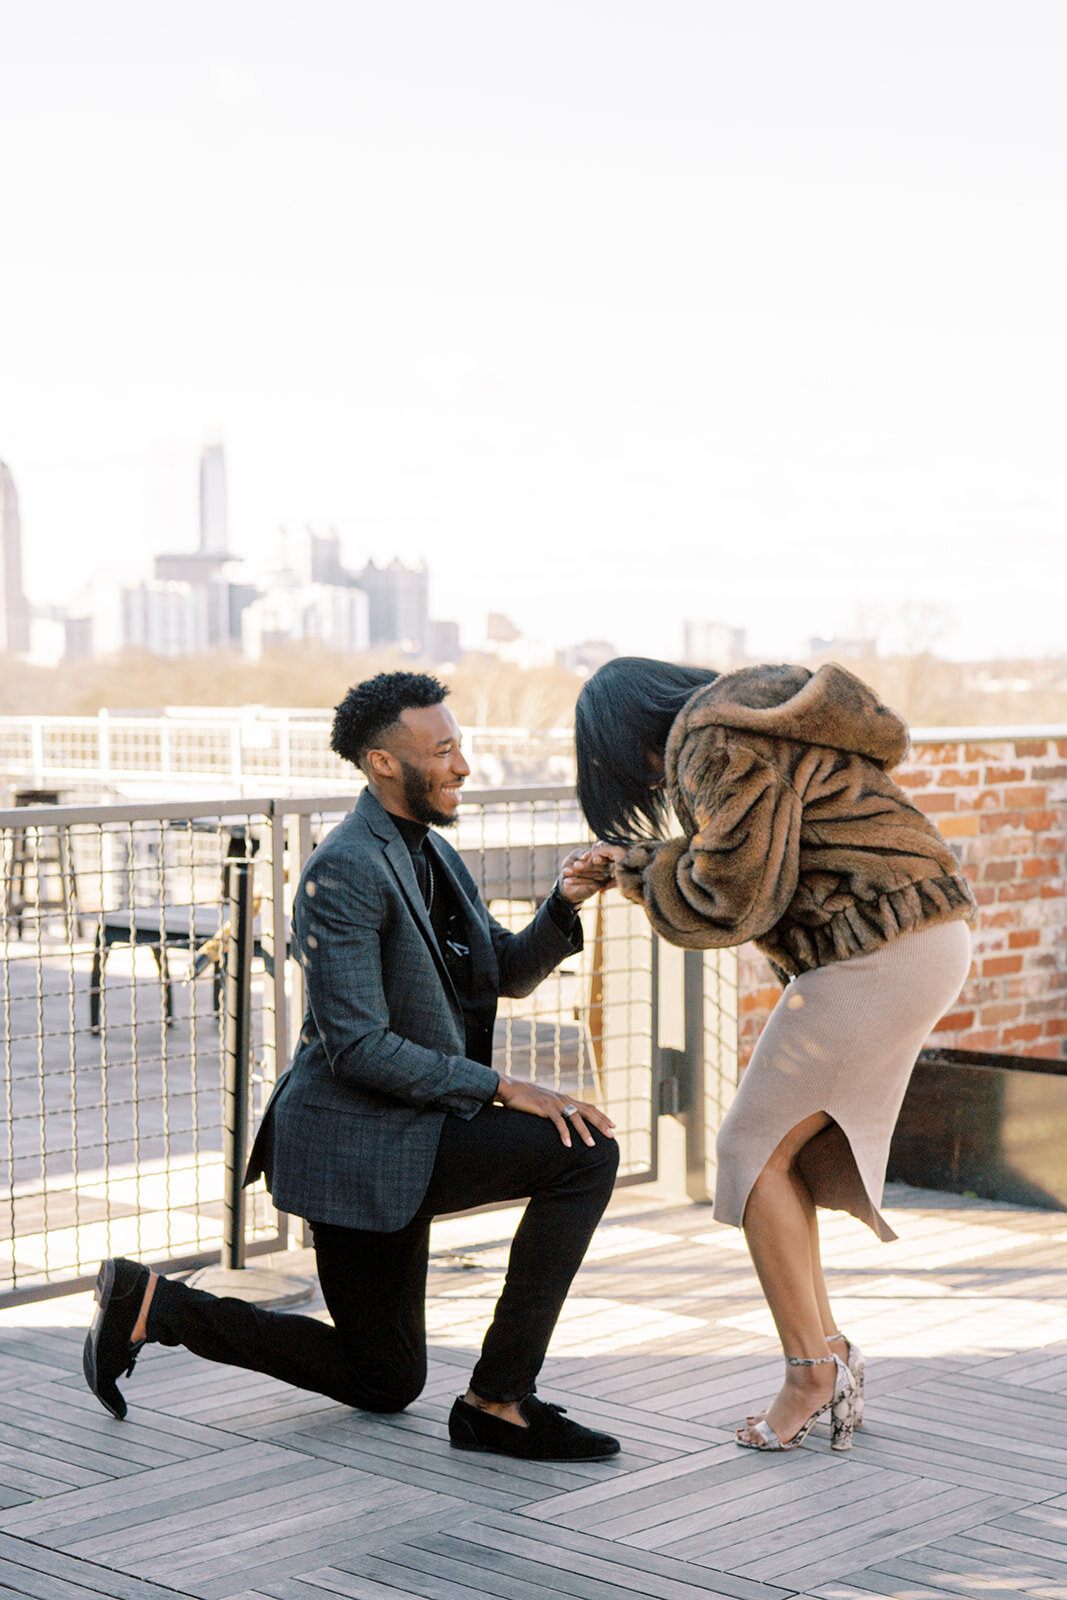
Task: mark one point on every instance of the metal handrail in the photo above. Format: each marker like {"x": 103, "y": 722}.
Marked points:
{"x": 66, "y": 816}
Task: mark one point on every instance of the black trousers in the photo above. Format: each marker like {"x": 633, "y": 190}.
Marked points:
{"x": 374, "y": 1284}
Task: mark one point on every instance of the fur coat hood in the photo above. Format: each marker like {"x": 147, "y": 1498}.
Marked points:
{"x": 830, "y": 707}
{"x": 793, "y": 833}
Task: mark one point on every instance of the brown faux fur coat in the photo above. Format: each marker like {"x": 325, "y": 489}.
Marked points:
{"x": 794, "y": 835}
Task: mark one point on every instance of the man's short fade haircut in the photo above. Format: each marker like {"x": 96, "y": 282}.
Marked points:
{"x": 370, "y": 708}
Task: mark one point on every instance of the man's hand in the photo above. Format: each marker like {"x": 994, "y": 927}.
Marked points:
{"x": 518, "y": 1095}
{"x": 586, "y": 872}
{"x": 597, "y": 866}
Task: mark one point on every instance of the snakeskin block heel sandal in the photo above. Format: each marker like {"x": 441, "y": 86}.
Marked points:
{"x": 856, "y": 1362}
{"x": 839, "y": 1406}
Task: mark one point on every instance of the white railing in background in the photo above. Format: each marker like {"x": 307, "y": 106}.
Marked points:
{"x": 228, "y": 752}
{"x": 234, "y": 751}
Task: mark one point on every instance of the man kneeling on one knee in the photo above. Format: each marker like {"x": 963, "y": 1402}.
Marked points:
{"x": 391, "y": 1113}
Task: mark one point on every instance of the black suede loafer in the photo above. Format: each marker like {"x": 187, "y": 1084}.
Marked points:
{"x": 108, "y": 1352}
{"x": 548, "y": 1436}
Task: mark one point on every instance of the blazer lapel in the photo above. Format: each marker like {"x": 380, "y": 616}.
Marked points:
{"x": 399, "y": 858}
{"x": 396, "y": 852}
{"x": 481, "y": 949}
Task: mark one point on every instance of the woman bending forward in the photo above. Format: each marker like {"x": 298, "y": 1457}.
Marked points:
{"x": 792, "y": 835}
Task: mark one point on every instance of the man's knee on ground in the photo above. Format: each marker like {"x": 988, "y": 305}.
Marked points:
{"x": 384, "y": 1392}
{"x": 386, "y": 1403}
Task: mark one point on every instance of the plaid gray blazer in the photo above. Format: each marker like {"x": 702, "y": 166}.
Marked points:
{"x": 350, "y": 1133}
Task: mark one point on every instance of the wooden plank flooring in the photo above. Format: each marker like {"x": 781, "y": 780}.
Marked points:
{"x": 225, "y": 1485}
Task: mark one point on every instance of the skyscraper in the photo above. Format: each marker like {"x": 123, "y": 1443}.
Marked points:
{"x": 213, "y": 530}
{"x": 14, "y": 610}
{"x": 399, "y": 604}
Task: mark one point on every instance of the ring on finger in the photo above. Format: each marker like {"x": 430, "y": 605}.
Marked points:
{"x": 568, "y": 1110}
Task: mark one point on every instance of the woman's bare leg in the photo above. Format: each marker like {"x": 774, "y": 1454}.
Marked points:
{"x": 822, "y": 1297}
{"x": 782, "y": 1236}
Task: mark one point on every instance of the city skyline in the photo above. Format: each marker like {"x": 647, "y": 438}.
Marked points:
{"x": 616, "y": 317}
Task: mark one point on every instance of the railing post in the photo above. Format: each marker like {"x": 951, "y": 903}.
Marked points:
{"x": 37, "y": 752}
{"x": 237, "y": 1056}
{"x": 262, "y": 1286}
{"x": 698, "y": 1071}
{"x": 698, "y": 1136}
{"x": 275, "y": 945}
{"x": 236, "y": 757}
{"x": 103, "y": 725}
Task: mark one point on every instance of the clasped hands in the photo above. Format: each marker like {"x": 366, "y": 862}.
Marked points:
{"x": 586, "y": 872}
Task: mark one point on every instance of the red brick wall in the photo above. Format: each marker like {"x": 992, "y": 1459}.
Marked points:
{"x": 1000, "y": 799}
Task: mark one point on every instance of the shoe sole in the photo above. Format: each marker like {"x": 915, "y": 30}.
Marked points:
{"x": 105, "y": 1283}
{"x": 487, "y": 1450}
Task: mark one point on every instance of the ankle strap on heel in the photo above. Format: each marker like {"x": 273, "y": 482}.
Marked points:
{"x": 808, "y": 1361}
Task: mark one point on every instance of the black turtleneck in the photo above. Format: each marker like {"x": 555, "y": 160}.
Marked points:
{"x": 434, "y": 887}
{"x": 449, "y": 927}
{"x": 437, "y": 893}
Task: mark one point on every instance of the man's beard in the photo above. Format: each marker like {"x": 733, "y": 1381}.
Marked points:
{"x": 417, "y": 791}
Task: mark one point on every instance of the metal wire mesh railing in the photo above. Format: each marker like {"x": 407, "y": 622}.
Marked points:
{"x": 114, "y": 930}
{"x": 111, "y": 1110}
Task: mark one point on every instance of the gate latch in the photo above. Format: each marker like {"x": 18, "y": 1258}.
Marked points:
{"x": 675, "y": 1082}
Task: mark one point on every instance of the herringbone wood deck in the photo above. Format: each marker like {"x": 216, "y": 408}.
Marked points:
{"x": 228, "y": 1486}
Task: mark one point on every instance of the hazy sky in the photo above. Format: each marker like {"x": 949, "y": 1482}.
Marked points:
{"x": 618, "y": 313}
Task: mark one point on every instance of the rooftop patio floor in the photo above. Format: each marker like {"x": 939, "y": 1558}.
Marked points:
{"x": 227, "y": 1486}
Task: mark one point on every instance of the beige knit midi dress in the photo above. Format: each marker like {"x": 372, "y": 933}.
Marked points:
{"x": 794, "y": 836}
{"x": 842, "y": 1039}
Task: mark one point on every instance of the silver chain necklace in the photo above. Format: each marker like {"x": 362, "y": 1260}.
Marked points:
{"x": 429, "y": 874}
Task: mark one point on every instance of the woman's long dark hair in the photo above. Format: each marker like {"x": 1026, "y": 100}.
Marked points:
{"x": 623, "y": 716}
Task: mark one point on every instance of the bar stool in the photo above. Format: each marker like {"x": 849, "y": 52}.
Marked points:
{"x": 40, "y": 874}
